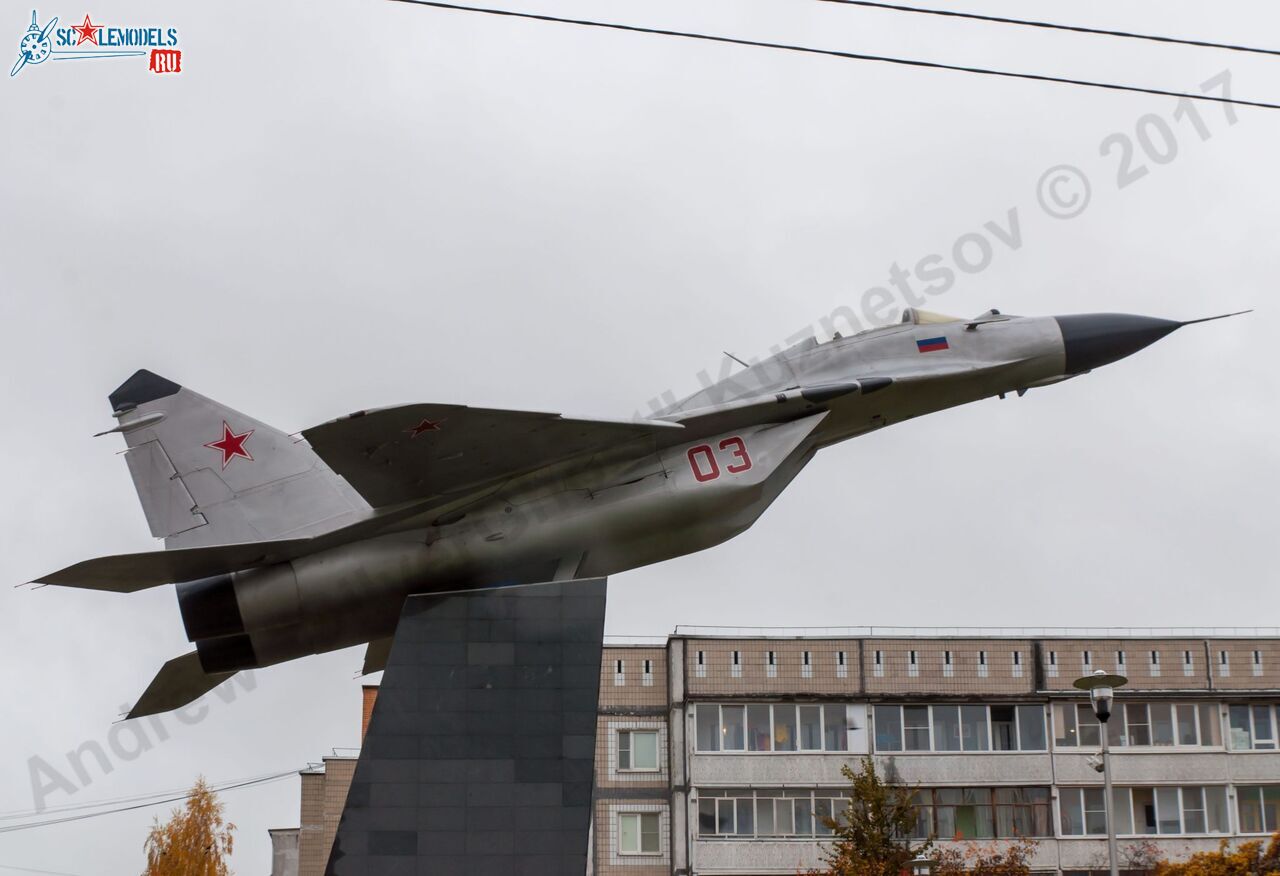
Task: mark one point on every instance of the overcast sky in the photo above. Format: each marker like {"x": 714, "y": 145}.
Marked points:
{"x": 342, "y": 205}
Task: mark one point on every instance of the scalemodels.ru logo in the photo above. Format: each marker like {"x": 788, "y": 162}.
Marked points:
{"x": 88, "y": 40}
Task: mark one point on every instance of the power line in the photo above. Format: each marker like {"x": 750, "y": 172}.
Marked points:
{"x": 1054, "y": 26}
{"x": 853, "y": 56}
{"x": 230, "y": 787}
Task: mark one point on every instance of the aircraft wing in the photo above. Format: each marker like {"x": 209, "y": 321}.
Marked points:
{"x": 416, "y": 452}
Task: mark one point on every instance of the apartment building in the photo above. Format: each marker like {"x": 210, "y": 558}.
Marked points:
{"x": 720, "y": 754}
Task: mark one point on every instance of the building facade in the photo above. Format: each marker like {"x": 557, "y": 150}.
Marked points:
{"x": 721, "y": 754}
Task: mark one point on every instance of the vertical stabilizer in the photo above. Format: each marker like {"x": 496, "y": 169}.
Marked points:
{"x": 207, "y": 474}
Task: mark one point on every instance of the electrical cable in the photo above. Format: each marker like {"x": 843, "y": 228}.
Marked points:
{"x": 873, "y": 4}
{"x": 854, "y": 56}
{"x": 232, "y": 787}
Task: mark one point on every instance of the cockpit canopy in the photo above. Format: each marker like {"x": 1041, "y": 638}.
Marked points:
{"x": 916, "y": 316}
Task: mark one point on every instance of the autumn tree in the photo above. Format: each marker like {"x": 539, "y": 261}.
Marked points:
{"x": 195, "y": 841}
{"x": 986, "y": 859}
{"x": 872, "y": 836}
{"x": 1247, "y": 859}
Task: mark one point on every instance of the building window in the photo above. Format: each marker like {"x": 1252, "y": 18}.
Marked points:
{"x": 771, "y": 664}
{"x": 1188, "y": 664}
{"x": 1258, "y": 808}
{"x": 947, "y": 669}
{"x": 1224, "y": 664}
{"x": 1086, "y": 659}
{"x": 776, "y": 727}
{"x": 745, "y": 813}
{"x": 646, "y": 680}
{"x": 1138, "y": 725}
{"x": 1017, "y": 664}
{"x": 960, "y": 728}
{"x": 735, "y": 665}
{"x": 982, "y": 664}
{"x": 1252, "y": 727}
{"x": 638, "y": 833}
{"x": 1119, "y": 659}
{"x": 877, "y": 664}
{"x": 1155, "y": 664}
{"x": 1257, "y": 663}
{"x": 638, "y": 750}
{"x": 1146, "y": 811}
{"x": 700, "y": 670}
{"x": 913, "y": 668}
{"x": 1052, "y": 668}
{"x": 619, "y": 673}
{"x": 806, "y": 665}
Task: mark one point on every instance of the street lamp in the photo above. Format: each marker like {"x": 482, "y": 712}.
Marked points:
{"x": 920, "y": 865}
{"x": 1101, "y": 688}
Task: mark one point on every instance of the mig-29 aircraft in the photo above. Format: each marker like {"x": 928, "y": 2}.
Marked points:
{"x": 282, "y": 547}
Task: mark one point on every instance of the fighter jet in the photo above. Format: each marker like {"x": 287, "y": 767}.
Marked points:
{"x": 284, "y": 546}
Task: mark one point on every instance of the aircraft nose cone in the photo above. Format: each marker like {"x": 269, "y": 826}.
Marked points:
{"x": 1095, "y": 339}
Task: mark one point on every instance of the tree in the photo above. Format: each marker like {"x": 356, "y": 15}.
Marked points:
{"x": 195, "y": 841}
{"x": 872, "y": 835}
{"x": 986, "y": 859}
{"x": 1247, "y": 859}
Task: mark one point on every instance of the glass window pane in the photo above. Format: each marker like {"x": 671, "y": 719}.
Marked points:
{"x": 1249, "y": 809}
{"x": 764, "y": 817}
{"x": 1088, "y": 725}
{"x": 746, "y": 819}
{"x": 644, "y": 750}
{"x": 811, "y": 728}
{"x": 1193, "y": 810}
{"x": 759, "y": 731}
{"x": 804, "y": 816}
{"x": 732, "y": 732}
{"x": 624, "y": 749}
{"x": 1095, "y": 811}
{"x": 1064, "y": 725}
{"x": 837, "y": 728}
{"x": 973, "y": 728}
{"x": 1144, "y": 811}
{"x": 1263, "y": 734}
{"x": 822, "y": 810}
{"x": 946, "y": 728}
{"x": 708, "y": 727}
{"x": 1139, "y": 731}
{"x": 1004, "y": 729}
{"x": 1031, "y": 728}
{"x": 888, "y": 728}
{"x": 1072, "y": 814}
{"x": 1215, "y": 810}
{"x": 784, "y": 728}
{"x": 1241, "y": 738}
{"x": 724, "y": 817}
{"x": 915, "y": 720}
{"x": 1210, "y": 725}
{"x": 649, "y": 843}
{"x": 1168, "y": 817}
{"x": 629, "y": 833}
{"x": 785, "y": 818}
{"x": 1161, "y": 723}
{"x": 1271, "y": 808}
{"x": 1186, "y": 717}
{"x": 706, "y": 816}
{"x": 1120, "y": 805}
{"x": 1116, "y": 728}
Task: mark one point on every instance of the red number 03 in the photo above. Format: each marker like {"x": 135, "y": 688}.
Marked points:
{"x": 705, "y": 467}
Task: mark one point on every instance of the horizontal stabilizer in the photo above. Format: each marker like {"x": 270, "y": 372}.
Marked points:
{"x": 179, "y": 682}
{"x": 128, "y": 573}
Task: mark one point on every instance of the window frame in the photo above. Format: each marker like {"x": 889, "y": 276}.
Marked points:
{"x": 1075, "y": 796}
{"x": 825, "y": 727}
{"x": 1121, "y": 739}
{"x": 986, "y": 745}
{"x": 1273, "y": 740}
{"x": 630, "y": 748}
{"x": 640, "y": 833}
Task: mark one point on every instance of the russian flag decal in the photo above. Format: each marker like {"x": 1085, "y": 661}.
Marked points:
{"x": 928, "y": 345}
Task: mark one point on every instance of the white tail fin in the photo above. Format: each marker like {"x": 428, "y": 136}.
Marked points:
{"x": 207, "y": 474}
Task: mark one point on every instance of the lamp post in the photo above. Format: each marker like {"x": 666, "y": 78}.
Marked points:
{"x": 920, "y": 865}
{"x": 1101, "y": 688}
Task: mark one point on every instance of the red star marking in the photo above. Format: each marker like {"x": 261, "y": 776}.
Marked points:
{"x": 231, "y": 445}
{"x": 424, "y": 426}
{"x": 88, "y": 34}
